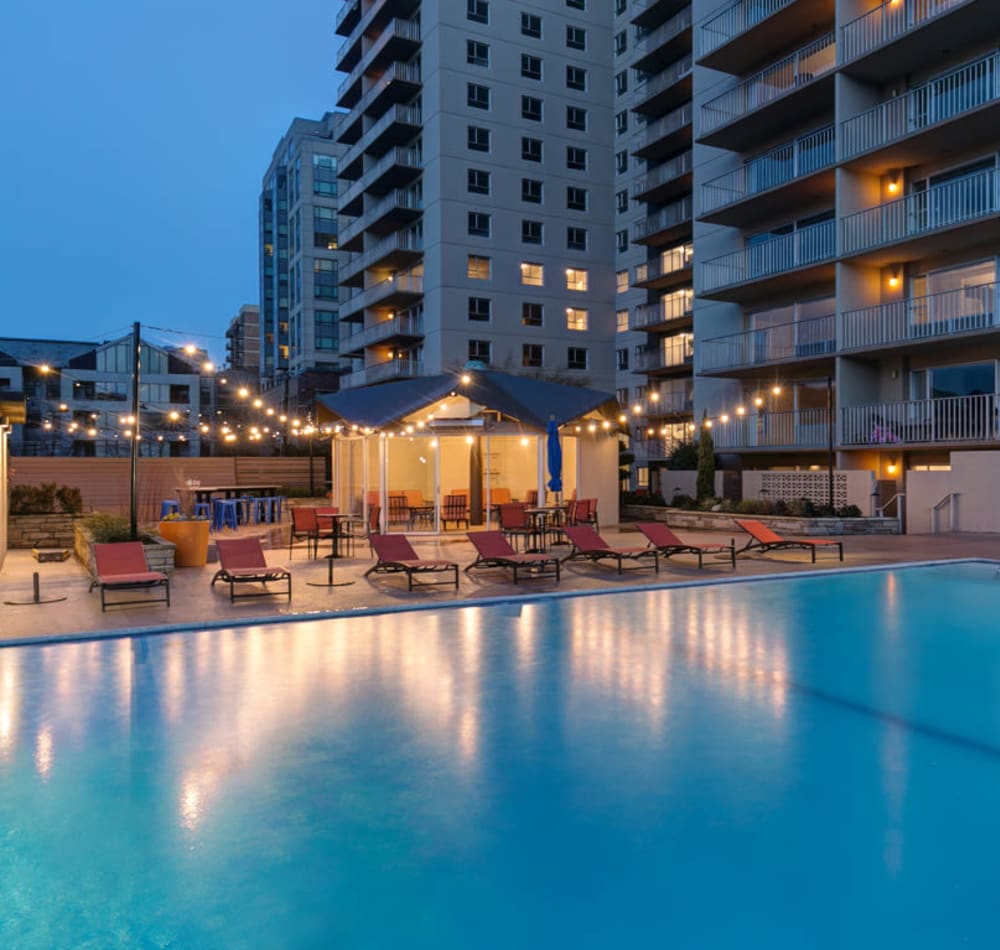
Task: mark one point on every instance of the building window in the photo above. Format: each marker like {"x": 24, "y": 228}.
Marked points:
{"x": 479, "y": 224}
{"x": 622, "y": 396}
{"x": 576, "y": 357}
{"x": 531, "y": 66}
{"x": 531, "y": 314}
{"x": 576, "y": 198}
{"x": 576, "y": 278}
{"x": 478, "y": 182}
{"x": 532, "y": 355}
{"x": 481, "y": 351}
{"x": 532, "y": 275}
{"x": 576, "y": 319}
{"x": 621, "y": 162}
{"x": 479, "y": 139}
{"x": 531, "y": 232}
{"x": 621, "y": 201}
{"x": 476, "y": 53}
{"x": 478, "y": 11}
{"x": 621, "y": 122}
{"x": 531, "y": 190}
{"x": 326, "y": 333}
{"x": 531, "y": 108}
{"x": 479, "y": 267}
{"x": 621, "y": 358}
{"x": 576, "y": 37}
{"x": 477, "y": 96}
{"x": 531, "y": 25}
{"x": 621, "y": 240}
{"x": 576, "y": 78}
{"x": 576, "y": 239}
{"x": 576, "y": 118}
{"x": 621, "y": 43}
{"x": 621, "y": 82}
{"x": 531, "y": 149}
{"x": 621, "y": 282}
{"x": 621, "y": 321}
{"x": 576, "y": 158}
{"x": 577, "y": 4}
{"x": 479, "y": 308}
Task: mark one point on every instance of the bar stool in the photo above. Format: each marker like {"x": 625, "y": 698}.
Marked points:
{"x": 169, "y": 507}
{"x": 224, "y": 513}
{"x": 202, "y": 510}
{"x": 279, "y": 503}
{"x": 247, "y": 508}
{"x": 264, "y": 510}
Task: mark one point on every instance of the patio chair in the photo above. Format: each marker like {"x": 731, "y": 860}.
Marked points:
{"x": 121, "y": 565}
{"x": 667, "y": 543}
{"x": 588, "y": 545}
{"x": 514, "y": 523}
{"x": 304, "y": 525}
{"x": 396, "y": 556}
{"x": 455, "y": 508}
{"x": 763, "y": 539}
{"x": 494, "y": 550}
{"x": 399, "y": 510}
{"x": 586, "y": 512}
{"x": 242, "y": 562}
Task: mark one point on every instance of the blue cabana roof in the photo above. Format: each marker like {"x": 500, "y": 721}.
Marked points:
{"x": 532, "y": 402}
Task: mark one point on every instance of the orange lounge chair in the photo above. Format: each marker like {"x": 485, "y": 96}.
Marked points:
{"x": 589, "y": 545}
{"x": 667, "y": 543}
{"x": 122, "y": 565}
{"x": 494, "y": 550}
{"x": 762, "y": 538}
{"x": 242, "y": 561}
{"x": 396, "y": 556}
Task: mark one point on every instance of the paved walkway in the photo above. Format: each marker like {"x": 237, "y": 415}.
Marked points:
{"x": 195, "y": 603}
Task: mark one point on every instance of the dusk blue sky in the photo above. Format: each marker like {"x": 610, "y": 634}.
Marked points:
{"x": 135, "y": 137}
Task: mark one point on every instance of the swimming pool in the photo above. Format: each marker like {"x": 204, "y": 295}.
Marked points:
{"x": 791, "y": 763}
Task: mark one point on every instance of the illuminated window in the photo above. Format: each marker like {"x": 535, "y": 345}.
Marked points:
{"x": 479, "y": 267}
{"x": 533, "y": 274}
{"x": 621, "y": 320}
{"x": 576, "y": 319}
{"x": 576, "y": 279}
{"x": 621, "y": 281}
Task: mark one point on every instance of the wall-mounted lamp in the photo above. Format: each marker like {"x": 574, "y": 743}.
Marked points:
{"x": 894, "y": 278}
{"x": 892, "y": 185}
{"x": 892, "y": 468}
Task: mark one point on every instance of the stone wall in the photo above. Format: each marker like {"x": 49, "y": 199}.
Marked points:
{"x": 159, "y": 552}
{"x": 40, "y": 531}
{"x": 781, "y": 524}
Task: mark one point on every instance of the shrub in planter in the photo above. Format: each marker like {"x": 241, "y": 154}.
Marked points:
{"x": 45, "y": 499}
{"x": 685, "y": 502}
{"x": 107, "y": 529}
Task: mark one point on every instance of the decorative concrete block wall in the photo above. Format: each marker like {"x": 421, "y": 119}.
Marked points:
{"x": 40, "y": 531}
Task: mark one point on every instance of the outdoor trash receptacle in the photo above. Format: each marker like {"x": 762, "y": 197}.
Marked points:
{"x": 190, "y": 539}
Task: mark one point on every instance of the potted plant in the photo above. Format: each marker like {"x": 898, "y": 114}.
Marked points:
{"x": 190, "y": 537}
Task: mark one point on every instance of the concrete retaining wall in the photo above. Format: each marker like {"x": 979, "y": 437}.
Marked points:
{"x": 40, "y": 531}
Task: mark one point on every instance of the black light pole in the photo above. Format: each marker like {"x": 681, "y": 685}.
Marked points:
{"x": 134, "y": 446}
{"x": 829, "y": 440}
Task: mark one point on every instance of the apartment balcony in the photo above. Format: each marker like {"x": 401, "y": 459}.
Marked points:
{"x": 672, "y": 356}
{"x": 394, "y": 252}
{"x": 371, "y": 23}
{"x": 400, "y": 83}
{"x": 400, "y": 329}
{"x": 665, "y": 90}
{"x": 811, "y": 342}
{"x": 783, "y": 94}
{"x": 666, "y": 181}
{"x": 670, "y": 312}
{"x": 952, "y": 421}
{"x": 794, "y": 173}
{"x": 785, "y": 429}
{"x": 399, "y": 41}
{"x": 669, "y": 268}
{"x": 665, "y": 136}
{"x": 382, "y": 373}
{"x": 950, "y": 216}
{"x": 651, "y": 13}
{"x": 922, "y": 322}
{"x": 663, "y": 44}
{"x": 947, "y": 114}
{"x": 397, "y": 290}
{"x": 668, "y": 223}
{"x": 886, "y": 41}
{"x": 391, "y": 213}
{"x": 394, "y": 169}
{"x": 783, "y": 262}
{"x": 348, "y": 18}
{"x": 655, "y": 450}
{"x": 398, "y": 126}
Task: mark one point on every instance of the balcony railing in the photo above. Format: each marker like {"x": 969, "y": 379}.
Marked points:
{"x": 672, "y": 352}
{"x": 397, "y": 29}
{"x": 400, "y": 198}
{"x": 668, "y": 171}
{"x": 371, "y": 296}
{"x": 945, "y": 205}
{"x": 403, "y": 115}
{"x": 973, "y": 85}
{"x": 668, "y": 262}
{"x": 921, "y": 421}
{"x": 397, "y": 72}
{"x": 671, "y": 216}
{"x": 802, "y": 339}
{"x": 381, "y": 372}
{"x": 665, "y": 32}
{"x": 786, "y": 429}
{"x": 886, "y": 23}
{"x": 400, "y": 241}
{"x": 406, "y": 157}
{"x": 812, "y": 244}
{"x": 734, "y": 20}
{"x": 386, "y": 329}
{"x": 778, "y": 166}
{"x": 921, "y": 318}
{"x": 676, "y": 306}
{"x": 769, "y": 84}
{"x": 661, "y": 128}
{"x": 662, "y": 81}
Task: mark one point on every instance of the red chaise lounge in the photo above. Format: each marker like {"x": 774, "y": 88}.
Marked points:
{"x": 588, "y": 545}
{"x": 494, "y": 550}
{"x": 667, "y": 543}
{"x": 396, "y": 556}
{"x": 762, "y": 538}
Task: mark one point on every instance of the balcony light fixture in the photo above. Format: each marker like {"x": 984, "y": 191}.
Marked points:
{"x": 892, "y": 186}
{"x": 894, "y": 278}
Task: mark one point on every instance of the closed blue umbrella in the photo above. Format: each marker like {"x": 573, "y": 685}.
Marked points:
{"x": 555, "y": 458}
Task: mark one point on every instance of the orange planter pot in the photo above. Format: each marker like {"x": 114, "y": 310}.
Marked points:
{"x": 191, "y": 539}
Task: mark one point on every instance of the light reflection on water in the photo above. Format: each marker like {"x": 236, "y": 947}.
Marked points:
{"x": 402, "y": 752}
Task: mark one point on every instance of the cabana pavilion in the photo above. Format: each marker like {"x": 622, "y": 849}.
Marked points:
{"x": 410, "y": 446}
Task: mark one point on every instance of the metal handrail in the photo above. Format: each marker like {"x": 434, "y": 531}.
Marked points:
{"x": 951, "y": 502}
{"x": 881, "y": 509}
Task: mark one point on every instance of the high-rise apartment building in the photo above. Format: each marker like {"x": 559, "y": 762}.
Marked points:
{"x": 243, "y": 340}
{"x": 474, "y": 188}
{"x": 848, "y": 225}
{"x": 299, "y": 264}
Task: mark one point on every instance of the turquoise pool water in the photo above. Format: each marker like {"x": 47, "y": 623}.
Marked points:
{"x": 804, "y": 763}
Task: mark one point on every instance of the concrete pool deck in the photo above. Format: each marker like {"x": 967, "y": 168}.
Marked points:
{"x": 195, "y": 603}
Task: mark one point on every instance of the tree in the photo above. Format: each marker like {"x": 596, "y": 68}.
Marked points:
{"x": 705, "y": 485}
